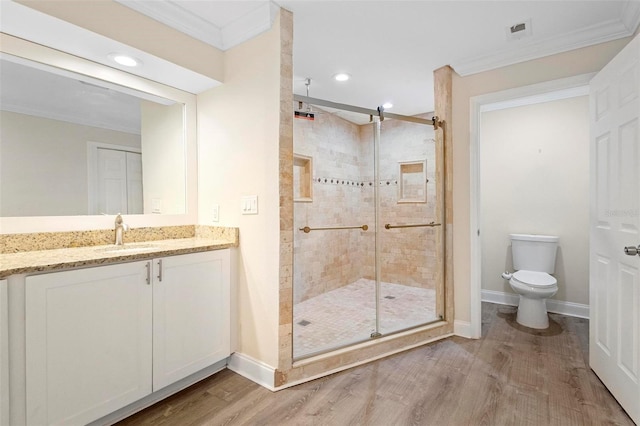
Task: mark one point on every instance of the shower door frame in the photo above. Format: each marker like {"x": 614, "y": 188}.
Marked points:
{"x": 289, "y": 373}
{"x": 376, "y": 117}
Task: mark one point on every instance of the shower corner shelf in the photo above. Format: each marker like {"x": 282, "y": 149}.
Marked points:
{"x": 302, "y": 178}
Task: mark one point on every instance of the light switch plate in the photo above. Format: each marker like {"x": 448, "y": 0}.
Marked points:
{"x": 156, "y": 206}
{"x": 249, "y": 204}
{"x": 215, "y": 213}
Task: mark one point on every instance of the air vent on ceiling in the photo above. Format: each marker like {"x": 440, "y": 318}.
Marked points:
{"x": 519, "y": 30}
{"x": 518, "y": 27}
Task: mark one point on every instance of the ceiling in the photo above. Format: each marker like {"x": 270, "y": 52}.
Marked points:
{"x": 390, "y": 48}
{"x": 33, "y": 89}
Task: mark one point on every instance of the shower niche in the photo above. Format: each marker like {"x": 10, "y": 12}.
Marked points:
{"x": 302, "y": 176}
{"x": 412, "y": 182}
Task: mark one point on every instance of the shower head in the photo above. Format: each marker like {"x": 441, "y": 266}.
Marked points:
{"x": 305, "y": 111}
{"x": 304, "y": 115}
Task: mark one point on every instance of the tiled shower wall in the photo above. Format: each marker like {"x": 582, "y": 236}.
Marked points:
{"x": 343, "y": 195}
{"x": 407, "y": 255}
{"x": 326, "y": 260}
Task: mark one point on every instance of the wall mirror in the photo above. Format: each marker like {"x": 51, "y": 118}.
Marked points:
{"x": 81, "y": 140}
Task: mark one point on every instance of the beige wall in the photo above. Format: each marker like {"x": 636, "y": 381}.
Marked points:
{"x": 43, "y": 164}
{"x": 580, "y": 61}
{"x": 238, "y": 134}
{"x": 534, "y": 177}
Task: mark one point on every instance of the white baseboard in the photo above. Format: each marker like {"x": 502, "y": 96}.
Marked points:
{"x": 568, "y": 308}
{"x": 252, "y": 369}
{"x": 556, "y": 306}
{"x": 500, "y": 297}
{"x": 462, "y": 329}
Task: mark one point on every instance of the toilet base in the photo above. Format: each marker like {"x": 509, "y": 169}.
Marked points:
{"x": 532, "y": 313}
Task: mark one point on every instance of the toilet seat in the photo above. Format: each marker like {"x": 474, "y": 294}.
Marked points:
{"x": 534, "y": 279}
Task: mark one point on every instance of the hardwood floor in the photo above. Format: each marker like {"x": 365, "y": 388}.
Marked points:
{"x": 511, "y": 376}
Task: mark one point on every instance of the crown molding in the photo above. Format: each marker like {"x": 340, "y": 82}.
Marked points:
{"x": 249, "y": 26}
{"x": 598, "y": 33}
{"x": 71, "y": 118}
{"x": 172, "y": 14}
{"x": 169, "y": 12}
{"x": 631, "y": 15}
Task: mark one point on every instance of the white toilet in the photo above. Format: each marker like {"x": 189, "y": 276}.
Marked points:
{"x": 534, "y": 258}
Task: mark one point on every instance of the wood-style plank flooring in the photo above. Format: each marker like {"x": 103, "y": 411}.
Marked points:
{"x": 511, "y": 376}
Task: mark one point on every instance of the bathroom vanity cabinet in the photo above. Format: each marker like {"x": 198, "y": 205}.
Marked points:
{"x": 4, "y": 354}
{"x": 100, "y": 338}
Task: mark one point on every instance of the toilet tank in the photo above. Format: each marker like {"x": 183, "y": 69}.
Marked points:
{"x": 534, "y": 252}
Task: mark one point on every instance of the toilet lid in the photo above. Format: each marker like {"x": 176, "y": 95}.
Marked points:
{"x": 534, "y": 278}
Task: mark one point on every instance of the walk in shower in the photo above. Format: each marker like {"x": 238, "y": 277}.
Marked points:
{"x": 368, "y": 240}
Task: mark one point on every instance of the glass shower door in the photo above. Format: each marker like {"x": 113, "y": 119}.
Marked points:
{"x": 334, "y": 287}
{"x": 410, "y": 241}
{"x": 368, "y": 240}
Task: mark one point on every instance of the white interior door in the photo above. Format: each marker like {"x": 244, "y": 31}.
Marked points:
{"x": 614, "y": 340}
{"x": 134, "y": 183}
{"x": 112, "y": 181}
{"x": 117, "y": 181}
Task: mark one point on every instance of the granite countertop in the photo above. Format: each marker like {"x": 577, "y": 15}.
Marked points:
{"x": 28, "y": 262}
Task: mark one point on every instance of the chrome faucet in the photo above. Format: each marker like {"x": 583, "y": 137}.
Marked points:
{"x": 121, "y": 227}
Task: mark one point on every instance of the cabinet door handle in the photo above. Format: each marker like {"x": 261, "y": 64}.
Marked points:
{"x": 159, "y": 269}
{"x": 148, "y": 266}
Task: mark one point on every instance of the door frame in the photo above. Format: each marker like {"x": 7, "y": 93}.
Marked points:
{"x": 526, "y": 95}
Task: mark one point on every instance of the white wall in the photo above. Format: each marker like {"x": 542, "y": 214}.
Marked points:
{"x": 575, "y": 62}
{"x": 238, "y": 140}
{"x": 534, "y": 179}
{"x": 43, "y": 164}
{"x": 163, "y": 157}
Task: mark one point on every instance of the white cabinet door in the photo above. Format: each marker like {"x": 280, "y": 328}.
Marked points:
{"x": 88, "y": 342}
{"x": 4, "y": 354}
{"x": 191, "y": 320}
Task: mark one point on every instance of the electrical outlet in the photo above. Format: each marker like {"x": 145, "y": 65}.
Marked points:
{"x": 215, "y": 213}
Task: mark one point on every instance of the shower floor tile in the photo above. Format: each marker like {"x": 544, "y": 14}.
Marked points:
{"x": 347, "y": 315}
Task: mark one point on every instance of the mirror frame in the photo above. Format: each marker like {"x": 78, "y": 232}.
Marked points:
{"x": 39, "y": 53}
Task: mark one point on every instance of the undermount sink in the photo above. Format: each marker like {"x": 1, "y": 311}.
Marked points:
{"x": 127, "y": 248}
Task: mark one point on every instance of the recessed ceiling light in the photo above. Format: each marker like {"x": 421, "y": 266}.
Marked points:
{"x": 342, "y": 77}
{"x": 125, "y": 60}
{"x": 387, "y": 105}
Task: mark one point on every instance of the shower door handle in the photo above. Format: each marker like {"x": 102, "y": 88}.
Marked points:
{"x": 307, "y": 229}
{"x": 417, "y": 225}
{"x": 632, "y": 251}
